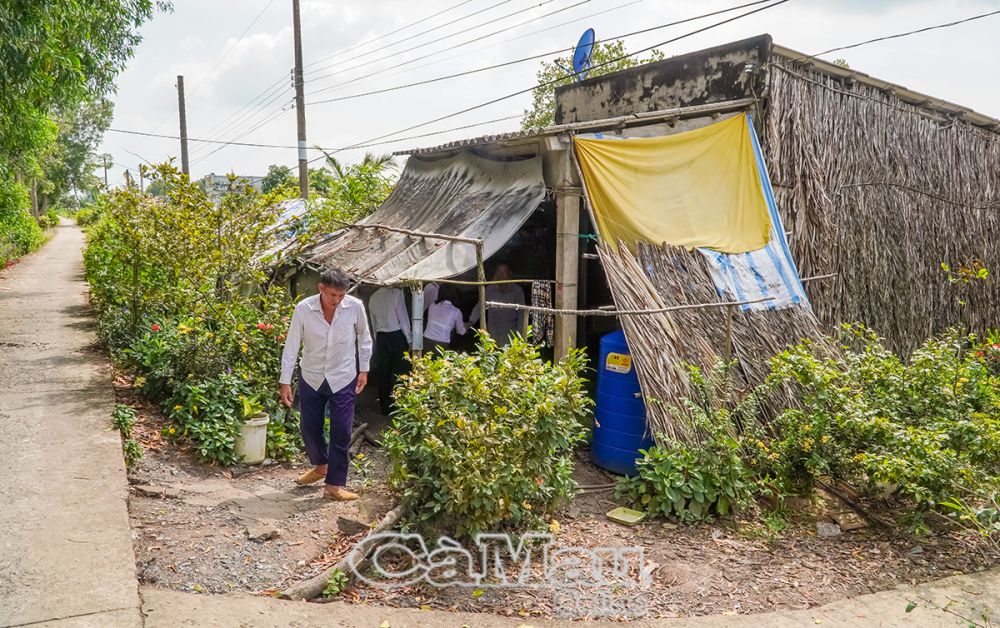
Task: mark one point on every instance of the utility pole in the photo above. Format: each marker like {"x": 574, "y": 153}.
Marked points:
{"x": 300, "y": 103}
{"x": 184, "y": 132}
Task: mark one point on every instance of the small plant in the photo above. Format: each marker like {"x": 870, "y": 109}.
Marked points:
{"x": 132, "y": 451}
{"x": 123, "y": 419}
{"x": 484, "y": 442}
{"x": 361, "y": 466}
{"x": 336, "y": 583}
{"x": 693, "y": 483}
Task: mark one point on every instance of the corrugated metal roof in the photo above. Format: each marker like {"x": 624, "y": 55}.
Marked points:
{"x": 464, "y": 196}
{"x": 482, "y": 139}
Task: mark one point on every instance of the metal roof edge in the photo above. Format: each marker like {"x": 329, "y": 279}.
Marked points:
{"x": 592, "y": 125}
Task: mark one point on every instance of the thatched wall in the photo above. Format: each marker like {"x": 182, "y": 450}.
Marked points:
{"x": 882, "y": 192}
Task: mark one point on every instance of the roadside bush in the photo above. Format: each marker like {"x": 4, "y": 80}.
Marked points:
{"x": 49, "y": 219}
{"x": 19, "y": 233}
{"x": 184, "y": 300}
{"x": 484, "y": 442}
{"x": 86, "y": 216}
{"x": 927, "y": 427}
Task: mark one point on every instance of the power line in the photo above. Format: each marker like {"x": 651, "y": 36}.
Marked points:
{"x": 251, "y": 109}
{"x": 251, "y": 118}
{"x": 493, "y": 45}
{"x": 554, "y": 81}
{"x": 340, "y": 52}
{"x": 439, "y": 39}
{"x": 533, "y": 57}
{"x": 906, "y": 34}
{"x": 233, "y": 47}
{"x": 247, "y": 132}
{"x": 194, "y": 139}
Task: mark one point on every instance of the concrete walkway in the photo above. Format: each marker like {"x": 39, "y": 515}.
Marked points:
{"x": 975, "y": 597}
{"x": 65, "y": 545}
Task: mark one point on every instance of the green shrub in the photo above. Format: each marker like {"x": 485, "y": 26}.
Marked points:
{"x": 209, "y": 412}
{"x": 123, "y": 419}
{"x": 930, "y": 425}
{"x": 86, "y": 216}
{"x": 484, "y": 442}
{"x": 49, "y": 219}
{"x": 693, "y": 483}
{"x": 19, "y": 232}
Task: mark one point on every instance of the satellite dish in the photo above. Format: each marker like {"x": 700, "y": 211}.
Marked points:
{"x": 581, "y": 55}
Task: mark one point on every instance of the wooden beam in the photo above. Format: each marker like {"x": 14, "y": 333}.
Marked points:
{"x": 567, "y": 267}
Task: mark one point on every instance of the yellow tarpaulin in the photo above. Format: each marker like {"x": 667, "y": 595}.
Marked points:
{"x": 700, "y": 188}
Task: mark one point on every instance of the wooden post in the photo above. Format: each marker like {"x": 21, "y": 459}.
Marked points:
{"x": 182, "y": 111}
{"x": 481, "y": 276}
{"x": 567, "y": 267}
{"x": 417, "y": 321}
{"x": 300, "y": 103}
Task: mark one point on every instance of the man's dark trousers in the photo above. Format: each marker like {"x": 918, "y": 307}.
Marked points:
{"x": 389, "y": 363}
{"x": 312, "y": 411}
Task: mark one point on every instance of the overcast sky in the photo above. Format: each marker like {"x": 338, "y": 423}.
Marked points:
{"x": 223, "y": 73}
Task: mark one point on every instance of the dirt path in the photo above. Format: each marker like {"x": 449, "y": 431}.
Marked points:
{"x": 66, "y": 550}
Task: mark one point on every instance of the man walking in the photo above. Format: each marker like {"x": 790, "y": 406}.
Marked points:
{"x": 391, "y": 324}
{"x": 332, "y": 329}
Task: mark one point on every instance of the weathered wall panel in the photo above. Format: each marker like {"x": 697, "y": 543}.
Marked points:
{"x": 708, "y": 76}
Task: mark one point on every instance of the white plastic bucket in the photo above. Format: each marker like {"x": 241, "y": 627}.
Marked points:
{"x": 251, "y": 444}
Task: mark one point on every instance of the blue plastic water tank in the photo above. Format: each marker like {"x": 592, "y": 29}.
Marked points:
{"x": 620, "y": 414}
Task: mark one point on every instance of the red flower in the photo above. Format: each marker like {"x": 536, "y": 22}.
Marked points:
{"x": 539, "y": 481}
{"x": 996, "y": 346}
{"x": 261, "y": 326}
{"x": 269, "y": 327}
{"x": 155, "y": 327}
{"x": 281, "y": 338}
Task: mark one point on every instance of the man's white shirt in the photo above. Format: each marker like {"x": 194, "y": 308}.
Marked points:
{"x": 333, "y": 351}
{"x": 442, "y": 318}
{"x": 388, "y": 311}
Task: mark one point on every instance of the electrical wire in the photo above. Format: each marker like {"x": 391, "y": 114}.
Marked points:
{"x": 906, "y": 34}
{"x": 365, "y": 78}
{"x": 268, "y": 91}
{"x": 354, "y": 47}
{"x": 439, "y": 39}
{"x": 249, "y": 115}
{"x": 233, "y": 47}
{"x": 554, "y": 81}
{"x": 532, "y": 57}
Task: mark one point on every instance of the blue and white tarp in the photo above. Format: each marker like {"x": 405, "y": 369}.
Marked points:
{"x": 768, "y": 272}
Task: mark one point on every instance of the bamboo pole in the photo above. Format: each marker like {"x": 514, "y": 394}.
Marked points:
{"x": 674, "y": 308}
{"x": 416, "y": 234}
{"x": 481, "y": 275}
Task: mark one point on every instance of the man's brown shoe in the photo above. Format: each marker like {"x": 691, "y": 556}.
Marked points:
{"x": 339, "y": 494}
{"x": 309, "y": 477}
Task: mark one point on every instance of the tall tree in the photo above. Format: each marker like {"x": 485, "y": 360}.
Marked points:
{"x": 554, "y": 73}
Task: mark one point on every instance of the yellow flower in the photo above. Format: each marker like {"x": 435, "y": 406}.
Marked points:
{"x": 554, "y": 527}
{"x": 178, "y": 407}
{"x": 171, "y": 430}
{"x": 807, "y": 444}
{"x": 139, "y": 382}
{"x": 183, "y": 329}
{"x": 526, "y": 505}
{"x": 773, "y": 455}
{"x": 243, "y": 347}
{"x": 826, "y": 438}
